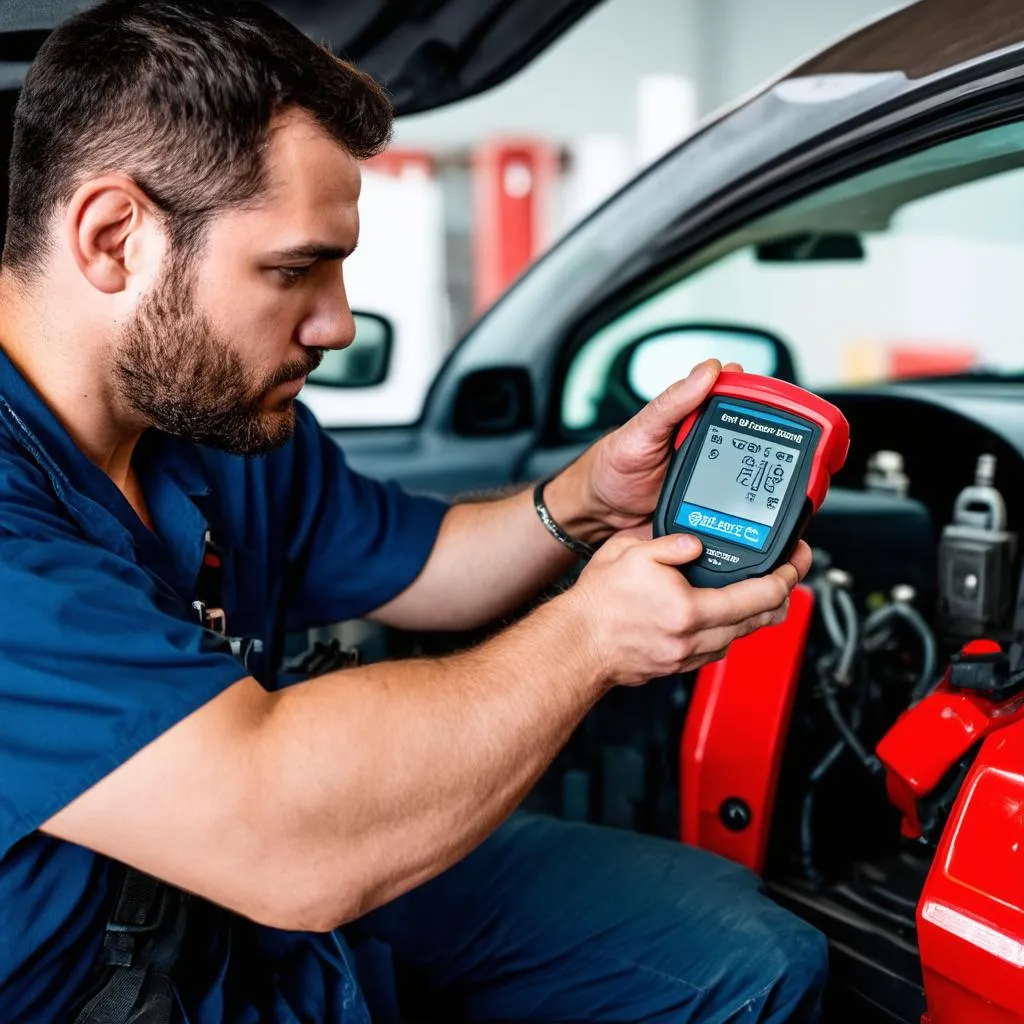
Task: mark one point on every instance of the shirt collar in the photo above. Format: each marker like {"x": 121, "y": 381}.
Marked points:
{"x": 78, "y": 481}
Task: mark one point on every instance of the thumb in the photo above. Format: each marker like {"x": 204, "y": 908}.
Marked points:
{"x": 674, "y": 548}
{"x": 657, "y": 420}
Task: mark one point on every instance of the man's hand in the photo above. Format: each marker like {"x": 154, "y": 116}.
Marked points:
{"x": 619, "y": 479}
{"x": 645, "y": 621}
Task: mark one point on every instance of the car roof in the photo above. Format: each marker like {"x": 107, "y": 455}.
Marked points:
{"x": 923, "y": 39}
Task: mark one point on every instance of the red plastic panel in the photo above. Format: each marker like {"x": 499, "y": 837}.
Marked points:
{"x": 927, "y": 740}
{"x": 736, "y": 732}
{"x": 924, "y": 743}
{"x": 971, "y": 914}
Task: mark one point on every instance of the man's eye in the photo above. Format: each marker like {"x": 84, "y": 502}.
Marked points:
{"x": 293, "y": 274}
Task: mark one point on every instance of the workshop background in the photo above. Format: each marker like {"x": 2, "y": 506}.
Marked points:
{"x": 468, "y": 196}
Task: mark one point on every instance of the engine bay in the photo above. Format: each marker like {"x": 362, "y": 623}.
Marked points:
{"x": 916, "y": 554}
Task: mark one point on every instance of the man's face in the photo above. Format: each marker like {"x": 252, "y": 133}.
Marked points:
{"x": 218, "y": 350}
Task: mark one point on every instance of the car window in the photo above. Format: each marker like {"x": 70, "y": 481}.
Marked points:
{"x": 912, "y": 268}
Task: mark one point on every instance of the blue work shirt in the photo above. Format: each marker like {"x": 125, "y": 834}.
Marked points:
{"x": 101, "y": 652}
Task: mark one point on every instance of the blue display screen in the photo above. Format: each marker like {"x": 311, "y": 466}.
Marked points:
{"x": 742, "y": 473}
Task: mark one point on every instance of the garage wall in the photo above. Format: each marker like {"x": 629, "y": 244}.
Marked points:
{"x": 584, "y": 94}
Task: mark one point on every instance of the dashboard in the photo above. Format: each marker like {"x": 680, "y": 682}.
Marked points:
{"x": 940, "y": 430}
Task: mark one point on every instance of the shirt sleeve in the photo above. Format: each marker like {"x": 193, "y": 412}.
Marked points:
{"x": 354, "y": 543}
{"x": 96, "y": 661}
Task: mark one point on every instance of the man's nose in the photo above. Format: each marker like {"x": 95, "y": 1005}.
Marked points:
{"x": 330, "y": 325}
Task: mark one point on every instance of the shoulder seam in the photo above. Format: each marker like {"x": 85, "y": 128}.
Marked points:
{"x": 31, "y": 444}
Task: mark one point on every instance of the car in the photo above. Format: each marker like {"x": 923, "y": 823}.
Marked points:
{"x": 864, "y": 205}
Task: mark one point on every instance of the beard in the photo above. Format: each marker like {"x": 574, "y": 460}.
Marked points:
{"x": 174, "y": 369}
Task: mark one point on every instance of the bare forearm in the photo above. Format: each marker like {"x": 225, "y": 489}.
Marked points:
{"x": 394, "y": 772}
{"x": 491, "y": 557}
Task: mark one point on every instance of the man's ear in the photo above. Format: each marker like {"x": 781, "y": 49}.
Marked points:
{"x": 113, "y": 232}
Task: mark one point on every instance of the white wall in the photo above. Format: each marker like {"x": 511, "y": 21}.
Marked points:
{"x": 584, "y": 92}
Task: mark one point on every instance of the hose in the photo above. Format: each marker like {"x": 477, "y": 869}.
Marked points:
{"x": 820, "y": 770}
{"x": 848, "y": 655}
{"x": 845, "y": 635}
{"x": 850, "y": 638}
{"x": 811, "y": 872}
{"x": 929, "y": 648}
{"x": 850, "y": 737}
{"x": 843, "y": 628}
{"x": 828, "y": 613}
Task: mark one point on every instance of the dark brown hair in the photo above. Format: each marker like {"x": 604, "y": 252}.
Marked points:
{"x": 179, "y": 95}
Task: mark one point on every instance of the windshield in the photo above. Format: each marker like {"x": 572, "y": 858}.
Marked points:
{"x": 913, "y": 268}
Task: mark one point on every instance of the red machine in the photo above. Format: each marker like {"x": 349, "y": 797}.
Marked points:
{"x": 788, "y": 738}
{"x": 954, "y": 766}
{"x": 963, "y": 746}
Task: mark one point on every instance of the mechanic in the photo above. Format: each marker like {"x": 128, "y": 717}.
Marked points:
{"x": 183, "y": 194}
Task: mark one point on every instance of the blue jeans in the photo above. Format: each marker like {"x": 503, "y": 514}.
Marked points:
{"x": 554, "y": 921}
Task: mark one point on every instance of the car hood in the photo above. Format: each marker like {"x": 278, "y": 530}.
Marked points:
{"x": 426, "y": 52}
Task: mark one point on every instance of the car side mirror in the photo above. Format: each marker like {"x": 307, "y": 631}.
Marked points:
{"x": 365, "y": 363}
{"x": 654, "y": 361}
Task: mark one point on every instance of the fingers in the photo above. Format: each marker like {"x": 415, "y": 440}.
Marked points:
{"x": 673, "y": 549}
{"x": 719, "y": 638}
{"x": 738, "y": 602}
{"x": 704, "y": 659}
{"x": 645, "y": 531}
{"x": 732, "y": 368}
{"x": 801, "y": 559}
{"x": 660, "y": 417}
{"x": 616, "y": 545}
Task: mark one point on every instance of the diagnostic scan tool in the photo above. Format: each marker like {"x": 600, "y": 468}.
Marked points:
{"x": 749, "y": 469}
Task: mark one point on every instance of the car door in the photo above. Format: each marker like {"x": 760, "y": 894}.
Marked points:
{"x": 493, "y": 416}
{"x": 500, "y": 412}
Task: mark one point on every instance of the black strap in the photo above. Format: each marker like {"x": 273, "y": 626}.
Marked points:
{"x": 141, "y": 945}
{"x": 144, "y": 936}
{"x": 577, "y": 547}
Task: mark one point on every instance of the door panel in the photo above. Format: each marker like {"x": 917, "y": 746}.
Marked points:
{"x": 426, "y": 461}
{"x": 546, "y": 462}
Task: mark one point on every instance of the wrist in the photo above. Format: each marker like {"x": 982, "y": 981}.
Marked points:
{"x": 581, "y": 641}
{"x": 572, "y": 504}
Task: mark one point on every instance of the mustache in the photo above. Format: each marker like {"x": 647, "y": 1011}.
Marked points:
{"x": 296, "y": 368}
